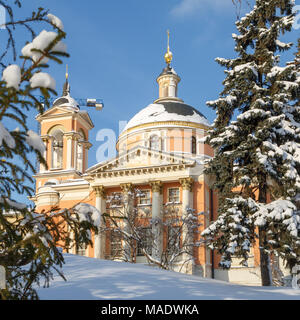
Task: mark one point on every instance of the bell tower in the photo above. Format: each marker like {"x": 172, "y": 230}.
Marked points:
{"x": 168, "y": 80}
{"x": 65, "y": 132}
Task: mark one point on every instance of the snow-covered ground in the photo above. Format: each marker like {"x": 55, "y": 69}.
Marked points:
{"x": 90, "y": 279}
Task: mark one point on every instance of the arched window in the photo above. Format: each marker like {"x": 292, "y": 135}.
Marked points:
{"x": 154, "y": 142}
{"x": 194, "y": 145}
{"x": 57, "y": 149}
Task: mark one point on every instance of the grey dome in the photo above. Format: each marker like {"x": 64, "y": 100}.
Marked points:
{"x": 180, "y": 108}
{"x": 66, "y": 100}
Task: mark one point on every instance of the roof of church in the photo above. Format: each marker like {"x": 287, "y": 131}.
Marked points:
{"x": 66, "y": 100}
{"x": 168, "y": 70}
{"x": 167, "y": 111}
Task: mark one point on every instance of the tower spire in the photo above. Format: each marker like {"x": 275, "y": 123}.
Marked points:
{"x": 168, "y": 55}
{"x": 67, "y": 73}
{"x": 66, "y": 88}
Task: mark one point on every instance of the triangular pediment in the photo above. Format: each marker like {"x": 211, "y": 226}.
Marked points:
{"x": 55, "y": 111}
{"x": 141, "y": 157}
{"x": 85, "y": 116}
{"x": 66, "y": 111}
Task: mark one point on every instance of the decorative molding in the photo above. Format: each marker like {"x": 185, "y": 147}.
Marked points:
{"x": 86, "y": 144}
{"x": 126, "y": 187}
{"x": 63, "y": 172}
{"x": 156, "y": 186}
{"x": 51, "y": 115}
{"x": 100, "y": 191}
{"x": 136, "y": 171}
{"x": 46, "y": 137}
{"x": 187, "y": 183}
{"x": 166, "y": 160}
{"x": 72, "y": 135}
{"x": 160, "y": 123}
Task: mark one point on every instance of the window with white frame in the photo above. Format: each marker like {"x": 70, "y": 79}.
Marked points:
{"x": 194, "y": 145}
{"x": 154, "y": 142}
{"x": 163, "y": 141}
{"x": 115, "y": 245}
{"x": 115, "y": 200}
{"x": 81, "y": 250}
{"x": 144, "y": 197}
{"x": 146, "y": 241}
{"x": 174, "y": 235}
{"x": 173, "y": 195}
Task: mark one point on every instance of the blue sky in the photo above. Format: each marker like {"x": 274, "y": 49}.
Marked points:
{"x": 116, "y": 52}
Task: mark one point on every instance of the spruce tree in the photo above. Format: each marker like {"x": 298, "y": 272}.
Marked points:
{"x": 29, "y": 240}
{"x": 256, "y": 137}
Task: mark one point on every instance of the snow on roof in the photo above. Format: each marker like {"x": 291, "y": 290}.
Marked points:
{"x": 167, "y": 111}
{"x": 67, "y": 102}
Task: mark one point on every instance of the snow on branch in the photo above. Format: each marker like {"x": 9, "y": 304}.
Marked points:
{"x": 12, "y": 76}
{"x": 35, "y": 141}
{"x": 42, "y": 80}
{"x": 283, "y": 211}
{"x": 55, "y": 21}
{"x": 6, "y": 137}
{"x": 12, "y": 204}
{"x": 40, "y": 43}
{"x": 89, "y": 213}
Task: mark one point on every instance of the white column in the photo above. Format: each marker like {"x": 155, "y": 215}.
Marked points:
{"x": 172, "y": 88}
{"x": 128, "y": 207}
{"x": 157, "y": 229}
{"x": 100, "y": 239}
{"x": 69, "y": 152}
{"x": 42, "y": 167}
{"x": 86, "y": 157}
{"x": 187, "y": 202}
{"x": 75, "y": 152}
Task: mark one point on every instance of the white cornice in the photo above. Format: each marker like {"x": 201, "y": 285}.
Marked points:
{"x": 136, "y": 151}
{"x": 57, "y": 173}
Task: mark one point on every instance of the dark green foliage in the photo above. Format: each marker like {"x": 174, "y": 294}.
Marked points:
{"x": 29, "y": 241}
{"x": 257, "y": 154}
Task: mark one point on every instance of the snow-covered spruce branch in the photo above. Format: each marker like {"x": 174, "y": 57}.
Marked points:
{"x": 257, "y": 154}
{"x": 29, "y": 245}
{"x": 39, "y": 16}
{"x": 29, "y": 240}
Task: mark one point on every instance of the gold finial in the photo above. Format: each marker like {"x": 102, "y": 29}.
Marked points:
{"x": 168, "y": 55}
{"x": 67, "y": 74}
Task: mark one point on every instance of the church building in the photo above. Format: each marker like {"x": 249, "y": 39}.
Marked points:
{"x": 160, "y": 152}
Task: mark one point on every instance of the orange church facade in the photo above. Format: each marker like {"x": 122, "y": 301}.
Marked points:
{"x": 160, "y": 151}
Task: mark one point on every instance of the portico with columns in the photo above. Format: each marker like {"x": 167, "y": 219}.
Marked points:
{"x": 183, "y": 175}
